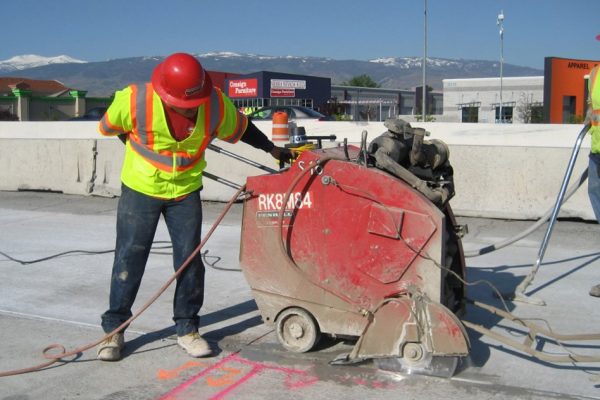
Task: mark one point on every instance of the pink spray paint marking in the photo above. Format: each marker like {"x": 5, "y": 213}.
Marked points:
{"x": 291, "y": 381}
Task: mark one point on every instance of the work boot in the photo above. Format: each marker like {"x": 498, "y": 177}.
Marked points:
{"x": 595, "y": 291}
{"x": 110, "y": 348}
{"x": 194, "y": 344}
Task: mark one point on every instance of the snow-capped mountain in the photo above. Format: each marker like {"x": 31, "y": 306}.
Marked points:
{"x": 103, "y": 78}
{"x": 26, "y": 61}
{"x": 415, "y": 62}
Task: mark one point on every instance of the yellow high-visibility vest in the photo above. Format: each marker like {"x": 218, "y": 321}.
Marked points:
{"x": 155, "y": 163}
{"x": 594, "y": 90}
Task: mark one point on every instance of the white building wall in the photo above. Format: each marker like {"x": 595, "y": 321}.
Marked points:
{"x": 485, "y": 94}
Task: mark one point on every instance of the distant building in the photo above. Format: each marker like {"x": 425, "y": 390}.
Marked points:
{"x": 566, "y": 89}
{"x": 557, "y": 97}
{"x": 266, "y": 88}
{"x": 478, "y": 99}
{"x": 43, "y": 100}
{"x": 378, "y": 104}
{"x": 37, "y": 87}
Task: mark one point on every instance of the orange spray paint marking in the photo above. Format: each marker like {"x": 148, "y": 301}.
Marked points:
{"x": 224, "y": 380}
{"x": 164, "y": 374}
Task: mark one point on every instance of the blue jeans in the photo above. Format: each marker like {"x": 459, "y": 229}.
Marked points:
{"x": 594, "y": 184}
{"x": 137, "y": 219}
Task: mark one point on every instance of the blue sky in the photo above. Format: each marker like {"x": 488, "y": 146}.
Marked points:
{"x": 339, "y": 29}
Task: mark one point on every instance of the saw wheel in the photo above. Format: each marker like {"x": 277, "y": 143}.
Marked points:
{"x": 417, "y": 361}
{"x": 297, "y": 330}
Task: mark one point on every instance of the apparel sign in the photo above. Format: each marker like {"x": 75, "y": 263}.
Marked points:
{"x": 243, "y": 88}
{"x": 286, "y": 87}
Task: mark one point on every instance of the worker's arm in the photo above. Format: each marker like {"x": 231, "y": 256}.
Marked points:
{"x": 117, "y": 121}
{"x": 256, "y": 138}
{"x": 236, "y": 126}
{"x": 588, "y": 115}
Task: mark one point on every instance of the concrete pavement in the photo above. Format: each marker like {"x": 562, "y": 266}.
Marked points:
{"x": 59, "y": 300}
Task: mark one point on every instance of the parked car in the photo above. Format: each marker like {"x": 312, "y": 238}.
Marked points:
{"x": 93, "y": 114}
{"x": 293, "y": 112}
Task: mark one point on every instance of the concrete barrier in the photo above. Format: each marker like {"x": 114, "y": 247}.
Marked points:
{"x": 500, "y": 171}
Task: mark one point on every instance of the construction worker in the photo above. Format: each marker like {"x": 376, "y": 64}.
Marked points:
{"x": 593, "y": 118}
{"x": 166, "y": 125}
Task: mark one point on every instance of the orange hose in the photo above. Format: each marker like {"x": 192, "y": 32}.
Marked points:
{"x": 56, "y": 357}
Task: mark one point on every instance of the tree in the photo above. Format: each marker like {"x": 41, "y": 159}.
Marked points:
{"x": 530, "y": 112}
{"x": 363, "y": 80}
{"x": 428, "y": 118}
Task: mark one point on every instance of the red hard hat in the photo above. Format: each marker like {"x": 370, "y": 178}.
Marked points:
{"x": 181, "y": 81}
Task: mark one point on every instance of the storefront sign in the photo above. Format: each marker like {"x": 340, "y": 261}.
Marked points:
{"x": 243, "y": 88}
{"x": 283, "y": 92}
{"x": 579, "y": 65}
{"x": 287, "y": 84}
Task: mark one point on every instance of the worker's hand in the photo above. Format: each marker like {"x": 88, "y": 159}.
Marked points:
{"x": 588, "y": 117}
{"x": 283, "y": 154}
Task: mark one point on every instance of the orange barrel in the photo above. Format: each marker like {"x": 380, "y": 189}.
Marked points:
{"x": 280, "y": 127}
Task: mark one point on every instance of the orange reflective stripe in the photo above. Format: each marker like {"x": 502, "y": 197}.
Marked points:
{"x": 133, "y": 106}
{"x": 159, "y": 161}
{"x": 211, "y": 121}
{"x": 108, "y": 129}
{"x": 241, "y": 124}
{"x": 595, "y": 118}
{"x": 164, "y": 159}
{"x": 208, "y": 107}
{"x": 188, "y": 162}
{"x": 143, "y": 140}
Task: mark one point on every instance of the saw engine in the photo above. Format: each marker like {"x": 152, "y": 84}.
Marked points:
{"x": 361, "y": 242}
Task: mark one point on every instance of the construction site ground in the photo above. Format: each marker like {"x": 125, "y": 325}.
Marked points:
{"x": 60, "y": 299}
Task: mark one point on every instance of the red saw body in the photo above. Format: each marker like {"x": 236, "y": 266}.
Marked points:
{"x": 341, "y": 243}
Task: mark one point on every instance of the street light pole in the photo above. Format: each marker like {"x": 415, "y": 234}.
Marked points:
{"x": 499, "y": 22}
{"x": 424, "y": 65}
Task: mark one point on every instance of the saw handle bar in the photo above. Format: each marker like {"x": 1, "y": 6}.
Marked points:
{"x": 320, "y": 139}
{"x": 240, "y": 158}
{"x": 237, "y": 157}
{"x": 221, "y": 180}
{"x": 559, "y": 200}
